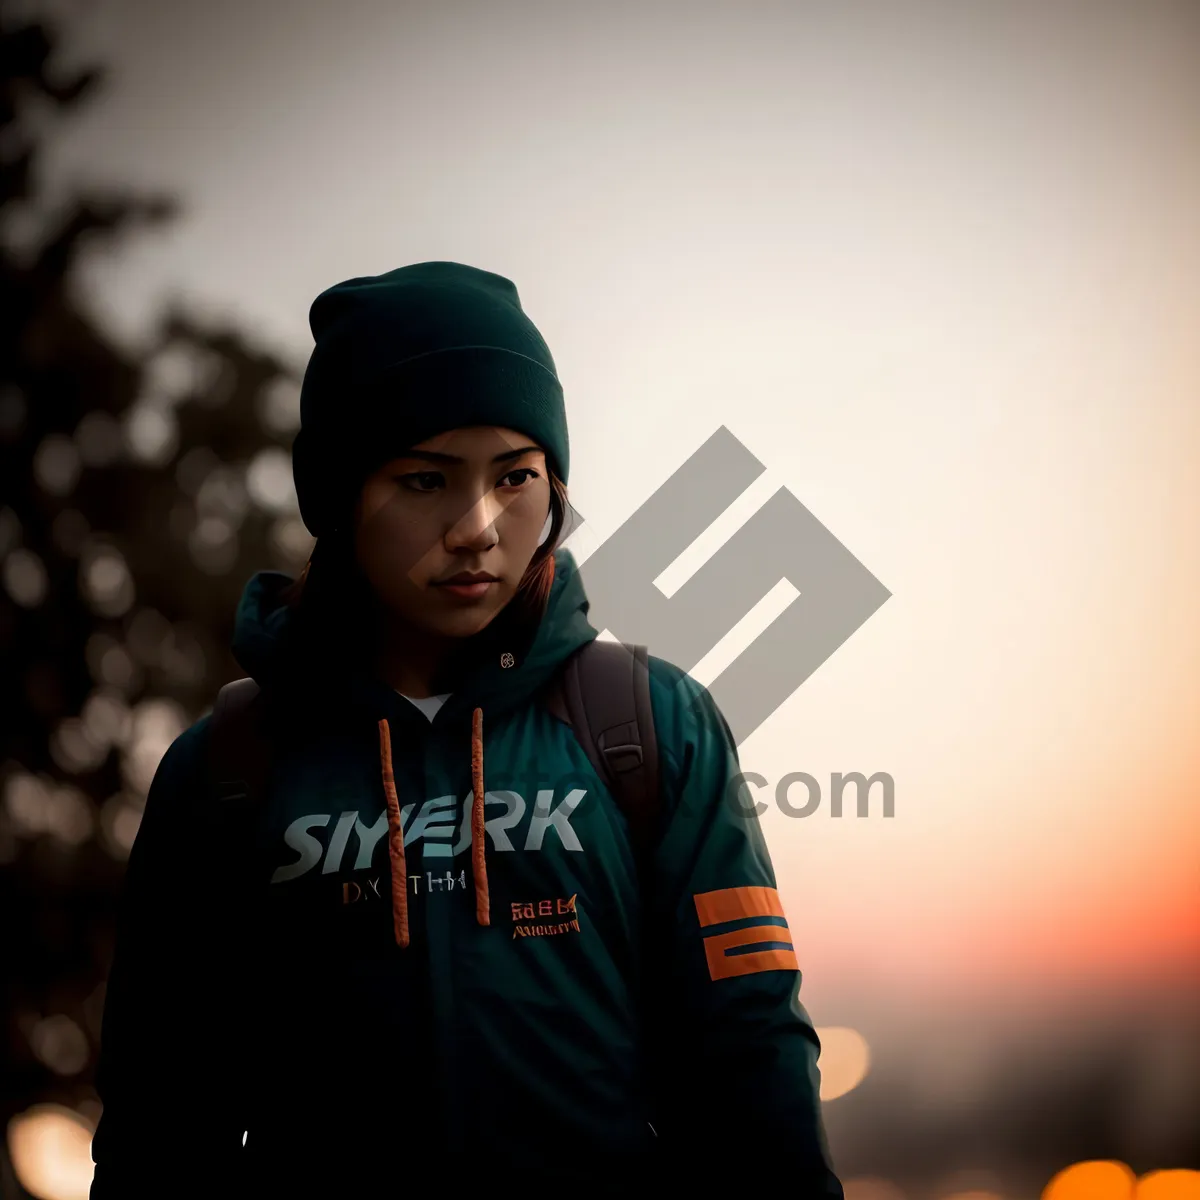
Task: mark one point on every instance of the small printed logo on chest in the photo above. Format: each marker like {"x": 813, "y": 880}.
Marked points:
{"x": 544, "y": 918}
{"x": 375, "y": 889}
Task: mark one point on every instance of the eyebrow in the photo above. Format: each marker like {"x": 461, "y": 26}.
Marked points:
{"x": 436, "y": 456}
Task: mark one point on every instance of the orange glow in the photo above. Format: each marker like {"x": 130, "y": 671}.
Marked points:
{"x": 1083, "y": 939}
{"x": 1145, "y": 931}
{"x": 1169, "y": 1185}
{"x": 1115, "y": 1181}
{"x": 1092, "y": 1181}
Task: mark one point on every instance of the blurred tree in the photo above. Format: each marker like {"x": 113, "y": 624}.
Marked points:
{"x": 137, "y": 494}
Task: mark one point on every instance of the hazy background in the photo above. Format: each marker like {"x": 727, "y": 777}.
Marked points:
{"x": 938, "y": 266}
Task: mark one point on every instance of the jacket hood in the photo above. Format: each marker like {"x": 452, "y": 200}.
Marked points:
{"x": 270, "y": 646}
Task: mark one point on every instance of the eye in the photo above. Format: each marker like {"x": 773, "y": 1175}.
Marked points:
{"x": 528, "y": 473}
{"x": 421, "y": 481}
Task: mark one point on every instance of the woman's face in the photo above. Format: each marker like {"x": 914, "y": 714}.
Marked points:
{"x": 468, "y": 502}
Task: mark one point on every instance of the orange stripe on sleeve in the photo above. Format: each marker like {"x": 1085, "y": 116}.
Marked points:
{"x": 722, "y": 967}
{"x": 730, "y": 904}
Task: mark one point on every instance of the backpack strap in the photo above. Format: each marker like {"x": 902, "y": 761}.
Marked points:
{"x": 239, "y": 750}
{"x": 603, "y": 693}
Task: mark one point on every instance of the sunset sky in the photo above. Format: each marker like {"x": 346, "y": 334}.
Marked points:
{"x": 936, "y": 265}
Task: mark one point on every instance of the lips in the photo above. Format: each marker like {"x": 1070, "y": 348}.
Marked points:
{"x": 468, "y": 586}
{"x": 467, "y": 579}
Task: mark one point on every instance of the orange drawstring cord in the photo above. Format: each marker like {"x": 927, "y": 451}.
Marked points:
{"x": 395, "y": 839}
{"x": 396, "y": 831}
{"x": 478, "y": 856}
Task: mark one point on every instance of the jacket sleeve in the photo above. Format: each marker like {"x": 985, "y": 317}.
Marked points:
{"x": 168, "y": 1124}
{"x": 734, "y": 1052}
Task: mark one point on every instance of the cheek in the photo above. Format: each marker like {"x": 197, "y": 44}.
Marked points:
{"x": 521, "y": 548}
{"x": 392, "y": 544}
{"x": 525, "y": 519}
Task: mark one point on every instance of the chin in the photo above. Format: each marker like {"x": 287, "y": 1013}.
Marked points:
{"x": 462, "y": 624}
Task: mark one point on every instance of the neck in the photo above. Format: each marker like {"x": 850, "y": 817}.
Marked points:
{"x": 409, "y": 660}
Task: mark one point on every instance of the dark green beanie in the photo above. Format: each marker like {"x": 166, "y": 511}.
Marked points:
{"x": 404, "y": 356}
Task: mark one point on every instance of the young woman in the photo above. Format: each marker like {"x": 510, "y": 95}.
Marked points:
{"x": 445, "y": 968}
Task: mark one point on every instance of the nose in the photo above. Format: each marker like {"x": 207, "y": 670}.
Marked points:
{"x": 475, "y": 530}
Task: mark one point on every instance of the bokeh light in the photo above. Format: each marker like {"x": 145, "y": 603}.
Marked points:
{"x": 1106, "y": 1180}
{"x": 50, "y": 1147}
{"x": 1169, "y": 1185}
{"x": 105, "y": 580}
{"x": 151, "y": 433}
{"x": 120, "y": 819}
{"x": 58, "y": 1042}
{"x": 111, "y": 663}
{"x": 970, "y": 1184}
{"x": 69, "y": 815}
{"x": 1098, "y": 1180}
{"x": 223, "y": 494}
{"x": 25, "y": 802}
{"x": 269, "y": 480}
{"x": 146, "y": 635}
{"x": 290, "y": 541}
{"x": 213, "y": 545}
{"x": 56, "y": 465}
{"x": 844, "y": 1061}
{"x": 186, "y": 371}
{"x": 156, "y": 724}
{"x": 107, "y": 718}
{"x": 74, "y": 749}
{"x": 25, "y": 578}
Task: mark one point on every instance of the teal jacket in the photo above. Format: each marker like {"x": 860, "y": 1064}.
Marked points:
{"x": 526, "y": 1014}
